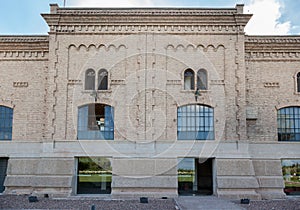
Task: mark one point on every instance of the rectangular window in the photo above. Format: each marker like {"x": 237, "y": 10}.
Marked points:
{"x": 291, "y": 176}
{"x": 6, "y": 120}
{"x": 94, "y": 175}
{"x": 195, "y": 176}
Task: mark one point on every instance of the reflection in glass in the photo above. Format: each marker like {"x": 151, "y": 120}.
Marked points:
{"x": 291, "y": 176}
{"x": 6, "y": 120}
{"x": 202, "y": 79}
{"x": 189, "y": 80}
{"x": 102, "y": 80}
{"x": 95, "y": 121}
{"x": 195, "y": 176}
{"x": 90, "y": 79}
{"x": 94, "y": 175}
{"x": 195, "y": 122}
{"x": 288, "y": 124}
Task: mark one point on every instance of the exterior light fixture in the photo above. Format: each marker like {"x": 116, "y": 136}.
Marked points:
{"x": 95, "y": 95}
{"x": 197, "y": 94}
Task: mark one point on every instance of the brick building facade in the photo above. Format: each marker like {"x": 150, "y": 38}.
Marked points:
{"x": 165, "y": 101}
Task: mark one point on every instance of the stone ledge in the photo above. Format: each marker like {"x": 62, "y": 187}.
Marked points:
{"x": 238, "y": 194}
{"x": 237, "y": 182}
{"x": 38, "y": 181}
{"x": 140, "y": 192}
{"x": 146, "y": 182}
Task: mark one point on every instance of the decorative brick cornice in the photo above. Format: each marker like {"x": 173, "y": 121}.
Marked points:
{"x": 272, "y": 39}
{"x": 272, "y": 48}
{"x": 14, "y": 39}
{"x": 24, "y": 55}
{"x": 145, "y": 11}
{"x": 134, "y": 20}
{"x": 272, "y": 43}
{"x": 142, "y": 28}
{"x": 272, "y": 56}
{"x": 24, "y": 47}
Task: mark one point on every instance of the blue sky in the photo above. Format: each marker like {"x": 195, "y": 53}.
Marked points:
{"x": 271, "y": 17}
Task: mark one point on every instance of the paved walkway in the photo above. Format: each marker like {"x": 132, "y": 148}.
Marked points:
{"x": 205, "y": 202}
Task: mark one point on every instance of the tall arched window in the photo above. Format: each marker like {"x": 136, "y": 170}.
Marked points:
{"x": 90, "y": 79}
{"x": 189, "y": 79}
{"x": 95, "y": 121}
{"x": 195, "y": 122}
{"x": 6, "y": 120}
{"x": 102, "y": 79}
{"x": 288, "y": 120}
{"x": 298, "y": 82}
{"x": 202, "y": 79}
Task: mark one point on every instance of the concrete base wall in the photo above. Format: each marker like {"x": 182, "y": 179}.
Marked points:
{"x": 236, "y": 173}
{"x": 40, "y": 176}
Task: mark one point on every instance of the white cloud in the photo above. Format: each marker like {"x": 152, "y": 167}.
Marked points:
{"x": 265, "y": 18}
{"x": 111, "y": 3}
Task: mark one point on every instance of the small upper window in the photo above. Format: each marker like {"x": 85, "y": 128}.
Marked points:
{"x": 189, "y": 79}
{"x": 298, "y": 82}
{"x": 6, "y": 119}
{"x": 102, "y": 79}
{"x": 202, "y": 79}
{"x": 90, "y": 79}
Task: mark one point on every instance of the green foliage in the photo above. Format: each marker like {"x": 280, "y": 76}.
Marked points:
{"x": 94, "y": 164}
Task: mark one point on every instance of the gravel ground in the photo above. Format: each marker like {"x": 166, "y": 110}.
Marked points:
{"x": 286, "y": 204}
{"x": 21, "y": 202}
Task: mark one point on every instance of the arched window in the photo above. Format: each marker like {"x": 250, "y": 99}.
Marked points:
{"x": 102, "y": 79}
{"x": 6, "y": 119}
{"x": 202, "y": 79}
{"x": 189, "y": 79}
{"x": 195, "y": 122}
{"x": 298, "y": 82}
{"x": 95, "y": 121}
{"x": 90, "y": 79}
{"x": 288, "y": 120}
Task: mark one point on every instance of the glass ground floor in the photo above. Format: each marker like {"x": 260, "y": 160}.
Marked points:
{"x": 194, "y": 175}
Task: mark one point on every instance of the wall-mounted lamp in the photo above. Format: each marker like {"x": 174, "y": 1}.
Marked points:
{"x": 95, "y": 95}
{"x": 197, "y": 94}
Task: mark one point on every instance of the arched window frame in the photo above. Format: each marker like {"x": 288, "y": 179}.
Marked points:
{"x": 95, "y": 122}
{"x": 89, "y": 79}
{"x": 298, "y": 83}
{"x": 195, "y": 122}
{"x": 102, "y": 79}
{"x": 6, "y": 122}
{"x": 202, "y": 79}
{"x": 189, "y": 79}
{"x": 288, "y": 123}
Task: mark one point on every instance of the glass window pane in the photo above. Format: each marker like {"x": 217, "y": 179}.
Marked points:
{"x": 102, "y": 80}
{"x": 196, "y": 119}
{"x": 90, "y": 79}
{"x": 288, "y": 124}
{"x": 96, "y": 121}
{"x": 6, "y": 121}
{"x": 94, "y": 175}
